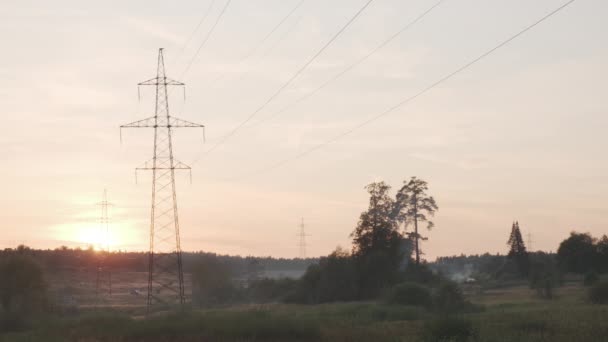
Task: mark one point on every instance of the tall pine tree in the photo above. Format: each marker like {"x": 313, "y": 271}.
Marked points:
{"x": 517, "y": 251}
{"x": 377, "y": 241}
{"x": 413, "y": 206}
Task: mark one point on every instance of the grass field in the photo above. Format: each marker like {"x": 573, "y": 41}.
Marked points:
{"x": 509, "y": 314}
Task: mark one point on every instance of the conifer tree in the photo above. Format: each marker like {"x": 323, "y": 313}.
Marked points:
{"x": 413, "y": 206}
{"x": 517, "y": 250}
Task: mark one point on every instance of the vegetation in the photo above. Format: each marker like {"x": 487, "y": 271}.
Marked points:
{"x": 414, "y": 206}
{"x": 581, "y": 253}
{"x": 410, "y": 294}
{"x": 598, "y": 293}
{"x": 517, "y": 250}
{"x": 374, "y": 291}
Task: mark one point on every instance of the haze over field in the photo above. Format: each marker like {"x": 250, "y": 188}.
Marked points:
{"x": 520, "y": 135}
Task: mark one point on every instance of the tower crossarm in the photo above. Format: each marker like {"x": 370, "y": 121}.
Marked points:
{"x": 161, "y": 81}
{"x": 163, "y": 165}
{"x": 143, "y": 123}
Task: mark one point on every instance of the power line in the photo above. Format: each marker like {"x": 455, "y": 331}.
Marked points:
{"x": 282, "y": 37}
{"x": 415, "y": 96}
{"x": 217, "y": 20}
{"x": 289, "y": 81}
{"x": 198, "y": 26}
{"x": 255, "y": 48}
{"x": 350, "y": 67}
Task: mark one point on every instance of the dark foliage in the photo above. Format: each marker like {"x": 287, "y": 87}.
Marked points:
{"x": 598, "y": 293}
{"x": 22, "y": 285}
{"x": 410, "y": 294}
{"x": 377, "y": 242}
{"x": 448, "y": 298}
{"x": 544, "y": 274}
{"x": 414, "y": 206}
{"x": 578, "y": 253}
{"x": 420, "y": 273}
{"x": 268, "y": 290}
{"x": 517, "y": 250}
{"x": 335, "y": 278}
{"x": 591, "y": 278}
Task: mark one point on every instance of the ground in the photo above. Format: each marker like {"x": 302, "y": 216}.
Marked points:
{"x": 514, "y": 313}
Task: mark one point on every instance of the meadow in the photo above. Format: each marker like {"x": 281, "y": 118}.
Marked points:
{"x": 513, "y": 313}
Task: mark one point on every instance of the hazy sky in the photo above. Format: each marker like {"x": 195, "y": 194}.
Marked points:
{"x": 519, "y": 136}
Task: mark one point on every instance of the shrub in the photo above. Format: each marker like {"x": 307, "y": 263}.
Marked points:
{"x": 410, "y": 294}
{"x": 420, "y": 273}
{"x": 448, "y": 297}
{"x": 591, "y": 278}
{"x": 452, "y": 329}
{"x": 598, "y": 293}
{"x": 22, "y": 285}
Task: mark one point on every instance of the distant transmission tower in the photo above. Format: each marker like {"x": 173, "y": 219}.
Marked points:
{"x": 165, "y": 273}
{"x": 529, "y": 241}
{"x": 302, "y": 243}
{"x": 103, "y": 271}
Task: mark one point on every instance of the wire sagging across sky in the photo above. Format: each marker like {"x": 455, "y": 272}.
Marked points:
{"x": 350, "y": 67}
{"x": 217, "y": 20}
{"x": 255, "y": 48}
{"x": 411, "y": 98}
{"x": 198, "y": 26}
{"x": 223, "y": 139}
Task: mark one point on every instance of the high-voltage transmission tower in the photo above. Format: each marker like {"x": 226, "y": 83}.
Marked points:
{"x": 165, "y": 273}
{"x": 103, "y": 279}
{"x": 302, "y": 240}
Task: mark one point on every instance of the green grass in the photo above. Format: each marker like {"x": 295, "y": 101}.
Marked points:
{"x": 509, "y": 315}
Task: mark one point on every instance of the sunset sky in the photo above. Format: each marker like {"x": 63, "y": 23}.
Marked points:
{"x": 521, "y": 135}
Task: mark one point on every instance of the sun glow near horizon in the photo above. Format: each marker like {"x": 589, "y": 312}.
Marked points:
{"x": 117, "y": 236}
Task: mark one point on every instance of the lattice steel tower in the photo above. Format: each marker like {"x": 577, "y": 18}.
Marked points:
{"x": 103, "y": 280}
{"x": 302, "y": 240}
{"x": 165, "y": 274}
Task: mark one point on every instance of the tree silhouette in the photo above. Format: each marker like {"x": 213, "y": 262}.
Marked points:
{"x": 377, "y": 243}
{"x": 577, "y": 253}
{"x": 517, "y": 250}
{"x": 414, "y": 206}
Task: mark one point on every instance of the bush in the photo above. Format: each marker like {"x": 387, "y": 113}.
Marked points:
{"x": 420, "y": 274}
{"x": 452, "y": 329}
{"x": 410, "y": 294}
{"x": 591, "y": 278}
{"x": 449, "y": 298}
{"x": 598, "y": 293}
{"x": 22, "y": 285}
{"x": 270, "y": 290}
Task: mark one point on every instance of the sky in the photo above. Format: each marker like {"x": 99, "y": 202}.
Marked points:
{"x": 521, "y": 135}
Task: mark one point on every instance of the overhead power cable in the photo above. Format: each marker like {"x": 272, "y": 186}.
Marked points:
{"x": 223, "y": 139}
{"x": 217, "y": 20}
{"x": 198, "y": 26}
{"x": 413, "y": 97}
{"x": 255, "y": 48}
{"x": 350, "y": 67}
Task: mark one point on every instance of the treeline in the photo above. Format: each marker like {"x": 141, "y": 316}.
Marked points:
{"x": 64, "y": 258}
{"x": 386, "y": 252}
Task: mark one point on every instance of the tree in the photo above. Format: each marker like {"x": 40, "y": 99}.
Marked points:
{"x": 377, "y": 242}
{"x": 22, "y": 285}
{"x": 602, "y": 254}
{"x": 333, "y": 279}
{"x": 517, "y": 250}
{"x": 414, "y": 206}
{"x": 578, "y": 253}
